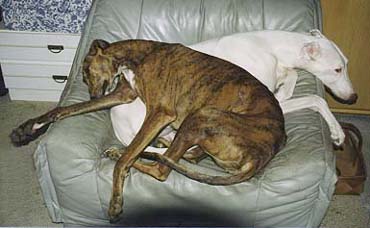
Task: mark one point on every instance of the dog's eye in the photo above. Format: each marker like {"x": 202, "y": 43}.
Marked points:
{"x": 338, "y": 70}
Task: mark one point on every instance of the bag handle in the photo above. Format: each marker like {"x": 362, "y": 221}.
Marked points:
{"x": 352, "y": 128}
{"x": 358, "y": 146}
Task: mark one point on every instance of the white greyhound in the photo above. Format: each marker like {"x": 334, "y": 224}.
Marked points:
{"x": 271, "y": 57}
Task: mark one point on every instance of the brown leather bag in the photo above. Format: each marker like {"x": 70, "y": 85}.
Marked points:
{"x": 350, "y": 165}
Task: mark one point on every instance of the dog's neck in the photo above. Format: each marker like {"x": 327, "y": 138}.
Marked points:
{"x": 287, "y": 47}
{"x": 130, "y": 53}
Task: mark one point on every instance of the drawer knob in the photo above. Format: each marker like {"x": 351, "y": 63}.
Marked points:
{"x": 55, "y": 48}
{"x": 59, "y": 78}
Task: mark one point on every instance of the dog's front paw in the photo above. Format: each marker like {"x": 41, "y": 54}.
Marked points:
{"x": 27, "y": 132}
{"x": 33, "y": 128}
{"x": 337, "y": 135}
{"x": 112, "y": 153}
{"x": 115, "y": 209}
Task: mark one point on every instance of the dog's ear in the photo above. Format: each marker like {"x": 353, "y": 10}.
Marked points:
{"x": 97, "y": 45}
{"x": 311, "y": 51}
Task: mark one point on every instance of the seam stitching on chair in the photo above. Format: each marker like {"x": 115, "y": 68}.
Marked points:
{"x": 140, "y": 19}
{"x": 263, "y": 14}
{"x": 202, "y": 21}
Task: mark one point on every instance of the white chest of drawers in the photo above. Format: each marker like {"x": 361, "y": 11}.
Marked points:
{"x": 35, "y": 65}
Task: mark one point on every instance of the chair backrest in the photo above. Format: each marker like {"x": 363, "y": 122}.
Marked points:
{"x": 192, "y": 21}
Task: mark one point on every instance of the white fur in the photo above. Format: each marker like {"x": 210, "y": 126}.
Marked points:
{"x": 271, "y": 57}
{"x": 129, "y": 75}
{"x": 37, "y": 126}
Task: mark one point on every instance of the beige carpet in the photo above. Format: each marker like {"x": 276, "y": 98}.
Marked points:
{"x": 21, "y": 201}
{"x": 20, "y": 196}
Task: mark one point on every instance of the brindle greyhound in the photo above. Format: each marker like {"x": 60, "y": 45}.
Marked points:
{"x": 214, "y": 104}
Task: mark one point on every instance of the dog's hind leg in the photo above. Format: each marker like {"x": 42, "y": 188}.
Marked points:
{"x": 174, "y": 153}
{"x": 186, "y": 137}
{"x": 206, "y": 129}
{"x": 239, "y": 144}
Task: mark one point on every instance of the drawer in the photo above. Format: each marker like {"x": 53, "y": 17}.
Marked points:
{"x": 38, "y": 39}
{"x": 35, "y": 95}
{"x": 29, "y": 60}
{"x": 13, "y": 53}
{"x": 34, "y": 69}
{"x": 34, "y": 83}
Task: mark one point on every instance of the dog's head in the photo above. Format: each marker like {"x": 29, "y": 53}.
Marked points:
{"x": 99, "y": 69}
{"x": 325, "y": 60}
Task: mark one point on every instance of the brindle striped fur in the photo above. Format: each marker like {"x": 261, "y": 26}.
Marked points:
{"x": 214, "y": 104}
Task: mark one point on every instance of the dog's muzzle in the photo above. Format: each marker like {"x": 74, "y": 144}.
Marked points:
{"x": 352, "y": 99}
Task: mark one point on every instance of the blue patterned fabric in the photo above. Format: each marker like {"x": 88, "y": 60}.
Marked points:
{"x": 67, "y": 16}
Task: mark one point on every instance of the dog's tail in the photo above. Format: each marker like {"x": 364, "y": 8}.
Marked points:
{"x": 201, "y": 177}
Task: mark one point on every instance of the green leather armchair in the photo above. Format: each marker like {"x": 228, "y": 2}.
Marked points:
{"x": 293, "y": 190}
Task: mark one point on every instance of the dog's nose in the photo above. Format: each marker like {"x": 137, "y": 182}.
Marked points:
{"x": 93, "y": 97}
{"x": 352, "y": 99}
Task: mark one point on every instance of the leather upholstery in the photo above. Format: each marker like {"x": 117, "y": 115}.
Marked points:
{"x": 293, "y": 190}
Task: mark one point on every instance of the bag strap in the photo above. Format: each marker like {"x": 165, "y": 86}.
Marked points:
{"x": 353, "y": 129}
{"x": 358, "y": 145}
